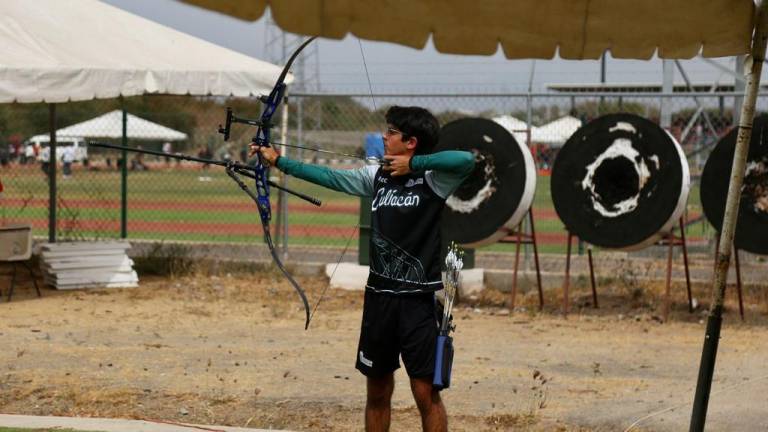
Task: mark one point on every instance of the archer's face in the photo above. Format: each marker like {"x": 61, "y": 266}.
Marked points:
{"x": 394, "y": 144}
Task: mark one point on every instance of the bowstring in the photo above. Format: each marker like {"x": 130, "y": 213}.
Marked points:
{"x": 349, "y": 239}
{"x": 336, "y": 267}
{"x": 367, "y": 75}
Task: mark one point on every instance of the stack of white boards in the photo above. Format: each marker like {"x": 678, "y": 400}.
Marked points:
{"x": 75, "y": 265}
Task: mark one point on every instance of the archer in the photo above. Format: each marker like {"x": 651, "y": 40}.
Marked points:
{"x": 409, "y": 193}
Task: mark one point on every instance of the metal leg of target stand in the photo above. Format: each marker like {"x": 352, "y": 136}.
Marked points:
{"x": 672, "y": 241}
{"x": 592, "y": 277}
{"x": 667, "y": 289}
{"x": 567, "y": 280}
{"x": 519, "y": 240}
{"x": 685, "y": 262}
{"x": 536, "y": 260}
{"x": 514, "y": 275}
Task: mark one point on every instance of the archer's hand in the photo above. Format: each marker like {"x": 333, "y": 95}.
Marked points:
{"x": 267, "y": 154}
{"x": 398, "y": 165}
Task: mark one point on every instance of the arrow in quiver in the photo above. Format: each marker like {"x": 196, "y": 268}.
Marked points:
{"x": 752, "y": 223}
{"x": 620, "y": 182}
{"x": 498, "y": 193}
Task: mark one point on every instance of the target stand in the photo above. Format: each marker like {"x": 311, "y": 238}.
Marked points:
{"x": 670, "y": 240}
{"x": 752, "y": 225}
{"x": 519, "y": 237}
{"x": 491, "y": 204}
{"x": 567, "y": 279}
{"x": 620, "y": 182}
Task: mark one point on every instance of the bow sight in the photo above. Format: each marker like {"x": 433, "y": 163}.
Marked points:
{"x": 231, "y": 118}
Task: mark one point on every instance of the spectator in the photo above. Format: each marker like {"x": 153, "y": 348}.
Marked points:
{"x": 167, "y": 149}
{"x": 137, "y": 163}
{"x": 45, "y": 158}
{"x": 67, "y": 157}
{"x": 5, "y": 151}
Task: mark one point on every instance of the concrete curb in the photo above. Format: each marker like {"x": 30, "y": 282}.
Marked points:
{"x": 609, "y": 265}
{"x": 108, "y": 425}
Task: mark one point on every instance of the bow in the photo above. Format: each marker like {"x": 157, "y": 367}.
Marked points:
{"x": 261, "y": 170}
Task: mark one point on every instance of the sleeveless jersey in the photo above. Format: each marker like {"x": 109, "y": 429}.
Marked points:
{"x": 405, "y": 240}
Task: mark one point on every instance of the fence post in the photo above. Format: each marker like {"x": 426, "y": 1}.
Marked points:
{"x": 124, "y": 177}
{"x": 52, "y": 192}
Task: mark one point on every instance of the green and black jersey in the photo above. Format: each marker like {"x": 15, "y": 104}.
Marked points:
{"x": 405, "y": 215}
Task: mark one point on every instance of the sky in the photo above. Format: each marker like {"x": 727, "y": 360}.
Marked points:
{"x": 397, "y": 69}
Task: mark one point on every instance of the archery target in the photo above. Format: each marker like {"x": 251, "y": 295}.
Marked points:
{"x": 752, "y": 224}
{"x": 498, "y": 193}
{"x": 620, "y": 182}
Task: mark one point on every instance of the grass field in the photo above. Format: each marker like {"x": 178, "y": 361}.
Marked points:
{"x": 187, "y": 203}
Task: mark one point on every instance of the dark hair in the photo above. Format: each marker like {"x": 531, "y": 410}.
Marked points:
{"x": 415, "y": 122}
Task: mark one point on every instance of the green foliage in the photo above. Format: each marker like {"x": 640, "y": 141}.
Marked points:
{"x": 336, "y": 113}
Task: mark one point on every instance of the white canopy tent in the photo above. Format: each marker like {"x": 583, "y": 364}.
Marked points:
{"x": 556, "y": 132}
{"x": 516, "y": 127}
{"x": 59, "y": 51}
{"x": 110, "y": 125}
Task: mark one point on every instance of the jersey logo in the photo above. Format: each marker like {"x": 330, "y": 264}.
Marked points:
{"x": 364, "y": 360}
{"x": 412, "y": 182}
{"x": 390, "y": 198}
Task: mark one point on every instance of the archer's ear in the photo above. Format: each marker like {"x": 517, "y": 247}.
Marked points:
{"x": 412, "y": 143}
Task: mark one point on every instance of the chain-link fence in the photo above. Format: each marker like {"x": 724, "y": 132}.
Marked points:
{"x": 171, "y": 200}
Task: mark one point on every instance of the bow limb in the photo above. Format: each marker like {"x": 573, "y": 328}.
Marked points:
{"x": 263, "y": 138}
{"x": 265, "y": 215}
{"x": 276, "y": 258}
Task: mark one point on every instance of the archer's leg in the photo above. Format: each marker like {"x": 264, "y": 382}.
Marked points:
{"x": 378, "y": 405}
{"x": 431, "y": 408}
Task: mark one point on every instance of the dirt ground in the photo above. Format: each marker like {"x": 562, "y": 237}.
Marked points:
{"x": 231, "y": 349}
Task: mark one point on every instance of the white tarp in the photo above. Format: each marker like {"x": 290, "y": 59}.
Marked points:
{"x": 574, "y": 29}
{"x": 58, "y": 51}
{"x": 557, "y": 132}
{"x": 110, "y": 125}
{"x": 516, "y": 127}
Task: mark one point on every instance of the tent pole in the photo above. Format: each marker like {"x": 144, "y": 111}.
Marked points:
{"x": 124, "y": 176}
{"x": 715, "y": 318}
{"x": 52, "y": 192}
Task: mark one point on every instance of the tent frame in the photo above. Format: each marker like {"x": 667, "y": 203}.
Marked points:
{"x": 723, "y": 259}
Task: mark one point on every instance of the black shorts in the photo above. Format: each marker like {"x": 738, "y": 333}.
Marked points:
{"x": 395, "y": 325}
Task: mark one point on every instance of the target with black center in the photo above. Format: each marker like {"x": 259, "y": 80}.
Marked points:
{"x": 498, "y": 193}
{"x": 752, "y": 224}
{"x": 620, "y": 182}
